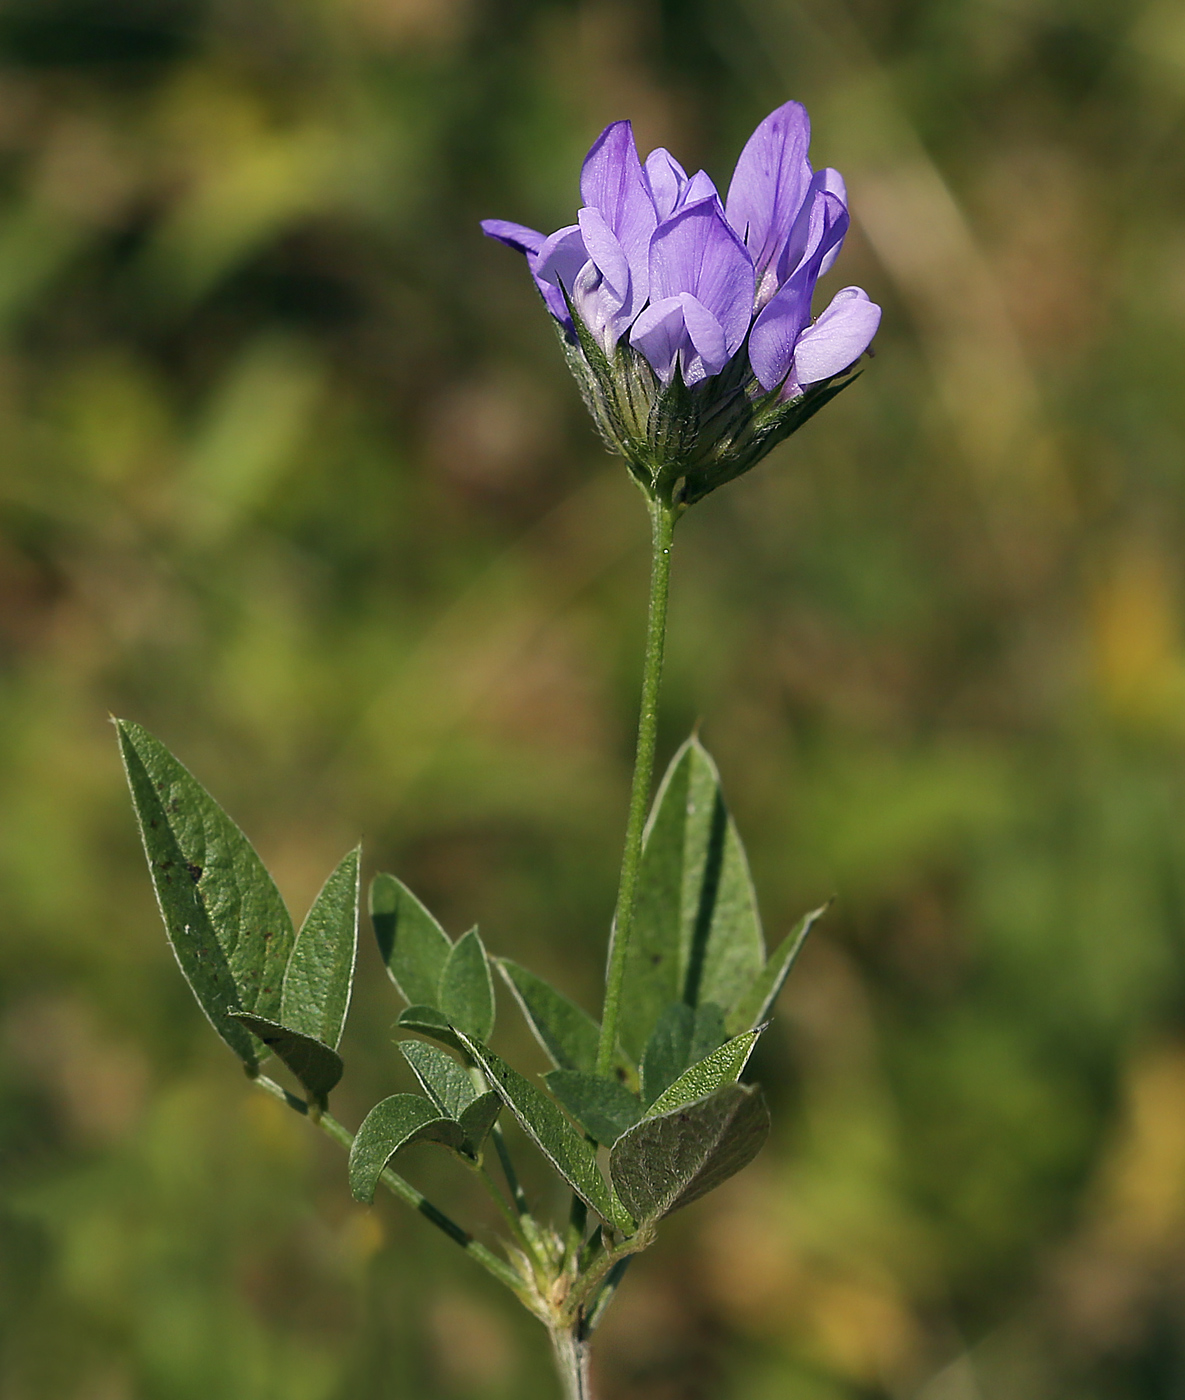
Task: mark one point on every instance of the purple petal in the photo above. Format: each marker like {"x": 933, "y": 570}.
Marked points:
{"x": 696, "y": 251}
{"x": 659, "y": 334}
{"x": 711, "y": 350}
{"x": 612, "y": 181}
{"x": 606, "y": 251}
{"x": 770, "y": 183}
{"x": 558, "y": 263}
{"x": 822, "y": 220}
{"x": 516, "y": 236}
{"x": 666, "y": 180}
{"x": 775, "y": 332}
{"x": 699, "y": 187}
{"x": 838, "y": 338}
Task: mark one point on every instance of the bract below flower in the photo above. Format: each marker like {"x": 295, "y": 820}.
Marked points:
{"x": 687, "y": 319}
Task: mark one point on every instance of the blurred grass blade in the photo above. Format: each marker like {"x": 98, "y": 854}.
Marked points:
{"x": 697, "y": 934}
{"x": 682, "y": 1037}
{"x": 665, "y": 1163}
{"x": 573, "y": 1157}
{"x": 390, "y": 1125}
{"x": 757, "y": 1003}
{"x": 315, "y": 1064}
{"x": 568, "y": 1034}
{"x": 320, "y": 971}
{"x": 224, "y": 917}
{"x": 722, "y": 1066}
{"x": 467, "y": 989}
{"x": 603, "y": 1107}
{"x": 414, "y": 946}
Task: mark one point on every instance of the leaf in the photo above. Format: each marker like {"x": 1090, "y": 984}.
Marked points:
{"x": 466, "y": 988}
{"x": 224, "y": 917}
{"x": 477, "y": 1120}
{"x": 414, "y": 946}
{"x": 315, "y": 1064}
{"x": 390, "y": 1125}
{"x": 665, "y": 1163}
{"x": 448, "y": 1084}
{"x": 568, "y": 1152}
{"x": 452, "y": 1090}
{"x": 426, "y": 1020}
{"x": 320, "y": 971}
{"x": 757, "y": 1003}
{"x": 683, "y": 1036}
{"x": 604, "y": 1108}
{"x": 696, "y": 933}
{"x": 568, "y": 1034}
{"x": 722, "y": 1066}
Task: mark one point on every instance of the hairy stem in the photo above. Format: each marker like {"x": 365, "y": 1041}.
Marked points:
{"x": 662, "y": 525}
{"x": 572, "y": 1355}
{"x": 405, "y": 1191}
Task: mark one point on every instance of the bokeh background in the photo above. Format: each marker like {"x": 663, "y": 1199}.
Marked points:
{"x": 291, "y": 472}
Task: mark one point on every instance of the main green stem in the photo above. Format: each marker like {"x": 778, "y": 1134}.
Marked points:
{"x": 662, "y": 526}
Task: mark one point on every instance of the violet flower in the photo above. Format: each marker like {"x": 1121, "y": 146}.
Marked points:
{"x": 686, "y": 318}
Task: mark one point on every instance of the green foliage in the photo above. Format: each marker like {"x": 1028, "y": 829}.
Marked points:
{"x": 757, "y": 1003}
{"x": 390, "y": 1125}
{"x": 697, "y": 934}
{"x": 551, "y": 1132}
{"x": 669, "y": 1160}
{"x": 682, "y": 1036}
{"x": 466, "y": 995}
{"x": 320, "y": 970}
{"x": 414, "y": 946}
{"x": 222, "y": 912}
{"x": 604, "y": 1108}
{"x": 315, "y": 1064}
{"x": 568, "y": 1034}
{"x": 722, "y": 1066}
{"x": 453, "y": 1091}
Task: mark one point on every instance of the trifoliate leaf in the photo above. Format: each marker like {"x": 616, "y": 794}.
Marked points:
{"x": 427, "y": 1020}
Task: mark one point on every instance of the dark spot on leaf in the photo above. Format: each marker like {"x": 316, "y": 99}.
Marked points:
{"x": 195, "y": 871}
{"x": 655, "y": 959}
{"x": 266, "y": 935}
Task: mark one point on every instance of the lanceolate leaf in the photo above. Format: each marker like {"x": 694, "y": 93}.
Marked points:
{"x": 696, "y": 935}
{"x": 414, "y": 946}
{"x": 560, "y": 1143}
{"x": 722, "y": 1066}
{"x": 757, "y": 1003}
{"x": 667, "y": 1162}
{"x": 390, "y": 1125}
{"x": 603, "y": 1107}
{"x": 681, "y": 1038}
{"x": 224, "y": 916}
{"x": 321, "y": 969}
{"x": 568, "y": 1034}
{"x": 466, "y": 988}
{"x": 316, "y": 1065}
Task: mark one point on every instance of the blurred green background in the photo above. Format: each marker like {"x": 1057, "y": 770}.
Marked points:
{"x": 292, "y": 473}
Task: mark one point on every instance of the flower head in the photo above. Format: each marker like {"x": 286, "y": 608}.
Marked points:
{"x": 687, "y": 318}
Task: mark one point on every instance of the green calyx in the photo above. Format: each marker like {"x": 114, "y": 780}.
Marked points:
{"x": 681, "y": 442}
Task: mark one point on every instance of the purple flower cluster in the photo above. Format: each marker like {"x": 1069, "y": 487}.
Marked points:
{"x": 713, "y": 295}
